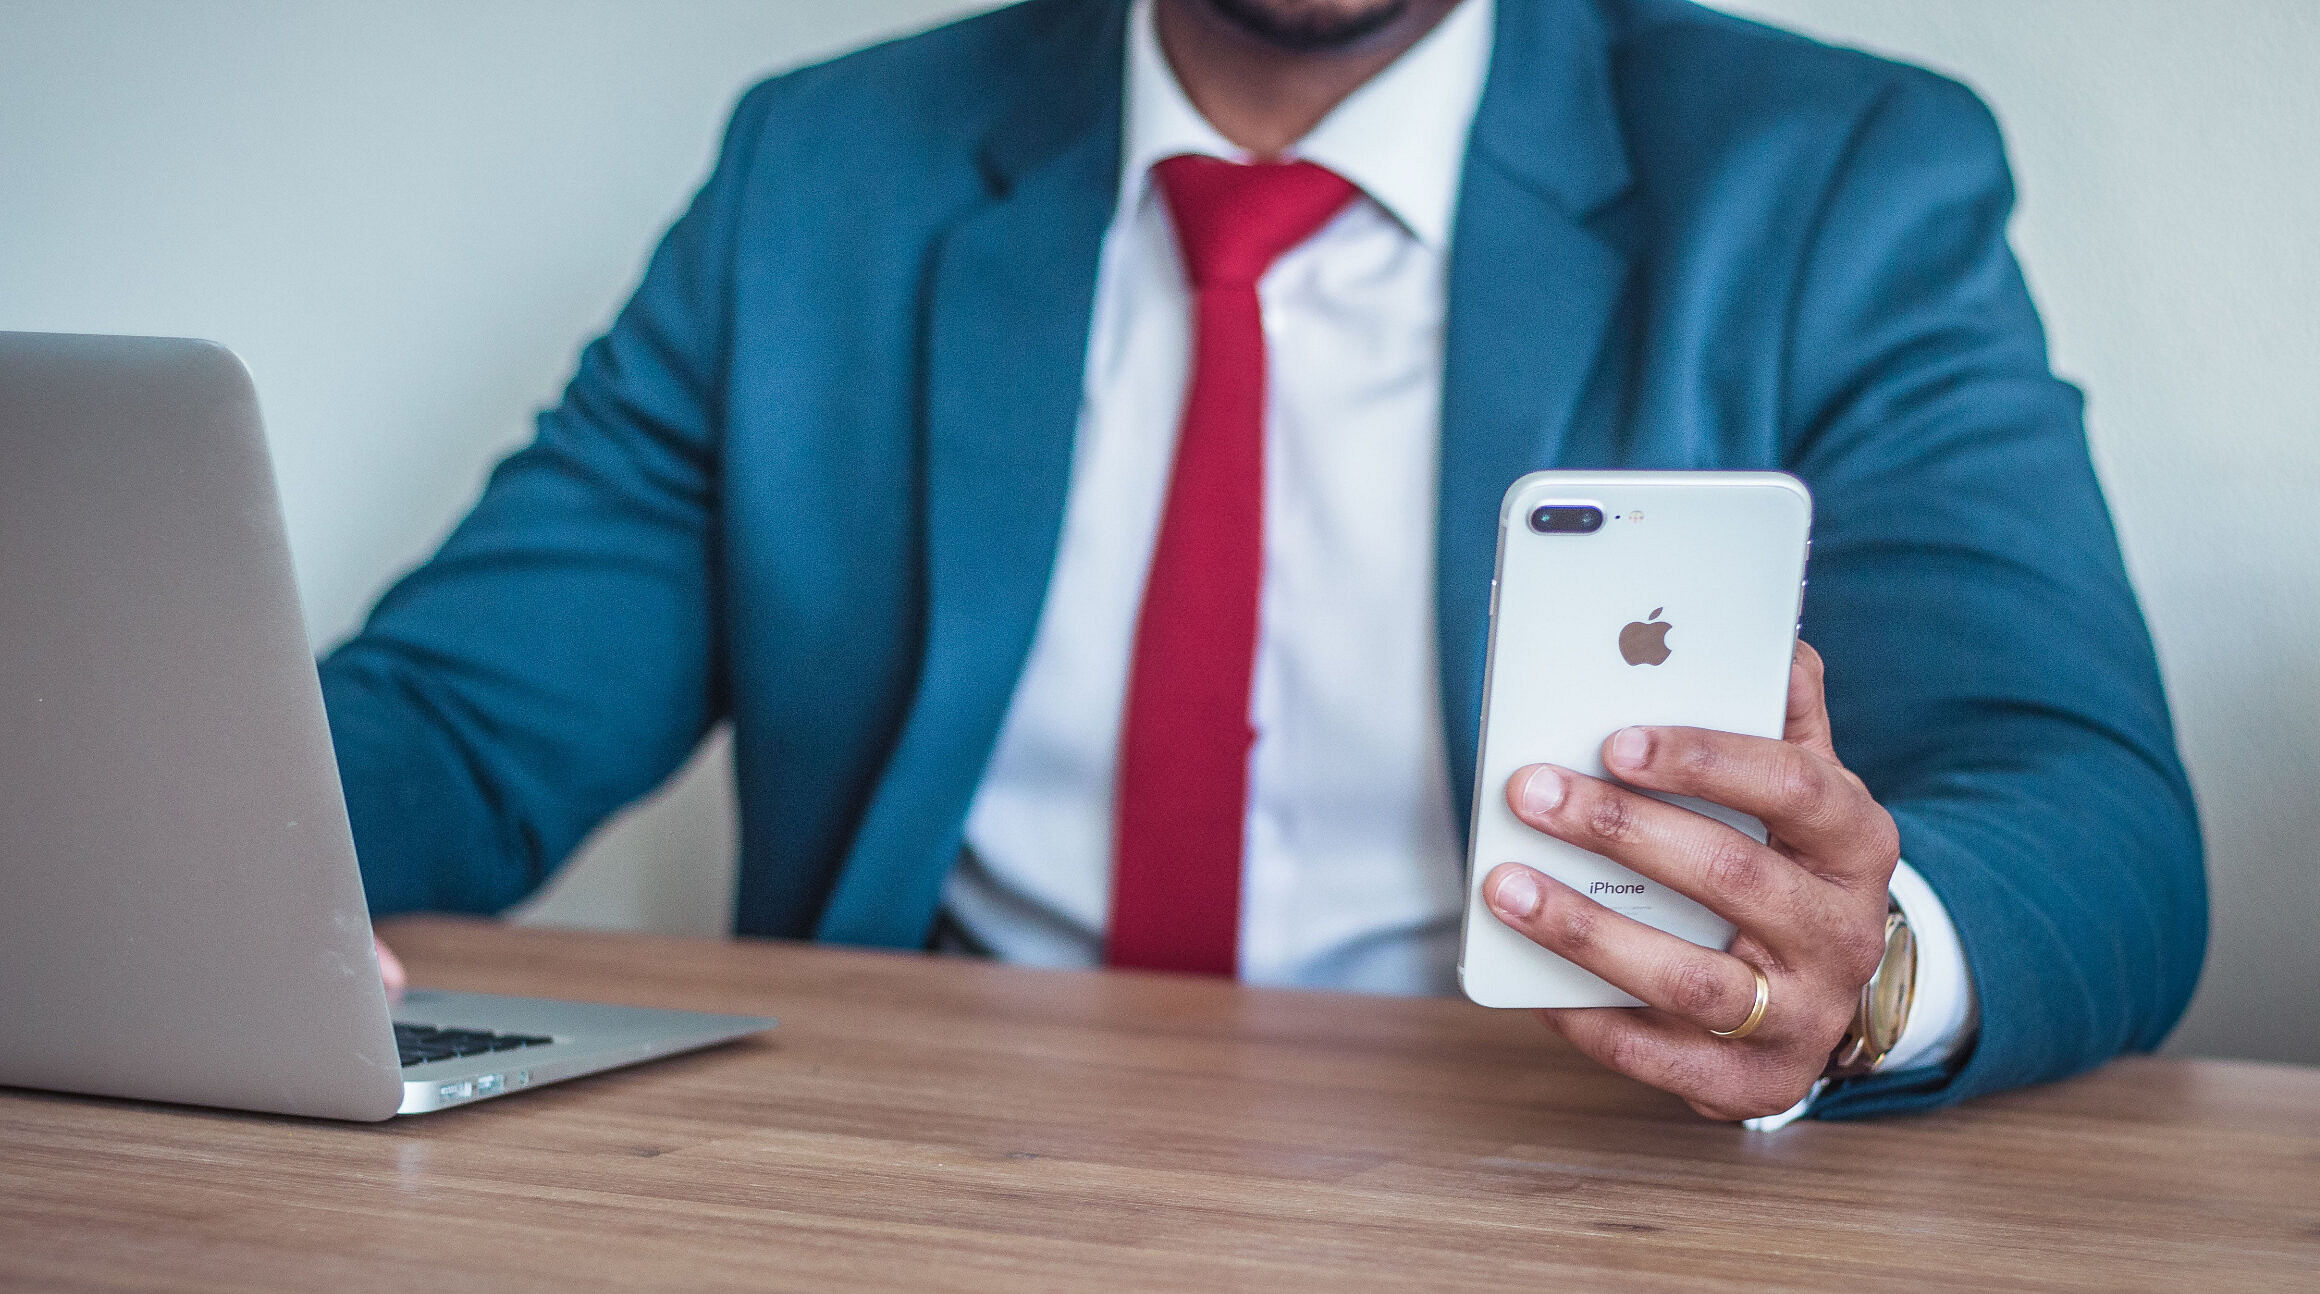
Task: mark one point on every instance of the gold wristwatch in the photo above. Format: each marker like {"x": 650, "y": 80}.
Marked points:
{"x": 1885, "y": 1001}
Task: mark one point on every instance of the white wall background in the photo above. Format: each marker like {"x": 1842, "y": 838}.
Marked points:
{"x": 407, "y": 217}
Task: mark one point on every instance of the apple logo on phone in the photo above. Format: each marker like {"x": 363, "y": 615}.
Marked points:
{"x": 1644, "y": 642}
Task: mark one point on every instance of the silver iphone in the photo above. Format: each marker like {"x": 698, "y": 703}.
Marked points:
{"x": 1622, "y": 598}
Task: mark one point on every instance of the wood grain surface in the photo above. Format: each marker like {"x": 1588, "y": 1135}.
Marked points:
{"x": 941, "y": 1124}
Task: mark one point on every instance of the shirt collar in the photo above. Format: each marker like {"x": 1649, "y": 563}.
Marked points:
{"x": 1401, "y": 137}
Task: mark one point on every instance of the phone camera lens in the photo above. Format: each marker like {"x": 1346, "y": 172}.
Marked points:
{"x": 1564, "y": 519}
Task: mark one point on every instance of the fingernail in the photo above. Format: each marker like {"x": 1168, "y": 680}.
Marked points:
{"x": 1630, "y": 747}
{"x": 1517, "y": 895}
{"x": 1542, "y": 790}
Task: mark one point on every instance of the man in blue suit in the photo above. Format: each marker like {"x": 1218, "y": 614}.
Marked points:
{"x": 1066, "y": 446}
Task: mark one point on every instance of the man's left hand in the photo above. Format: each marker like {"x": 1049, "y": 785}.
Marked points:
{"x": 1809, "y": 905}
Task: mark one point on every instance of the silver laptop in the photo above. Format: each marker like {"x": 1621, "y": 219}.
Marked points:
{"x": 181, "y": 918}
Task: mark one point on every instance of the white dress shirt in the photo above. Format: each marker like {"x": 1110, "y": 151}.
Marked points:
{"x": 1352, "y": 867}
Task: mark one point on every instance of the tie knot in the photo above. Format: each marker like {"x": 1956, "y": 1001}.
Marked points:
{"x": 1234, "y": 219}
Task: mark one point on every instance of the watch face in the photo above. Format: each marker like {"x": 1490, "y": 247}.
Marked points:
{"x": 1893, "y": 988}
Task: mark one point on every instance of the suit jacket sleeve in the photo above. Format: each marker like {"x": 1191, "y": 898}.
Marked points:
{"x": 557, "y": 657}
{"x": 1990, "y": 675}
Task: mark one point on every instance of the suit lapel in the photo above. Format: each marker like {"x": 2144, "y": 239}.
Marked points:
{"x": 1011, "y": 290}
{"x": 1533, "y": 289}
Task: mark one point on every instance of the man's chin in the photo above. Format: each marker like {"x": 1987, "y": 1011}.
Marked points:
{"x": 1310, "y": 26}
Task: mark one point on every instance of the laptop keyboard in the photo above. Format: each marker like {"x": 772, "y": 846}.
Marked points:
{"x": 420, "y": 1044}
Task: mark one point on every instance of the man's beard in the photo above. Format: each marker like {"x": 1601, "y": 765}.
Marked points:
{"x": 1309, "y": 26}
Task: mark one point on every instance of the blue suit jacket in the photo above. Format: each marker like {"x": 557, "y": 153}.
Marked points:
{"x": 811, "y": 482}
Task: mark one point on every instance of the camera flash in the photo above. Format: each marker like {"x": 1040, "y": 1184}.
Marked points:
{"x": 1635, "y": 516}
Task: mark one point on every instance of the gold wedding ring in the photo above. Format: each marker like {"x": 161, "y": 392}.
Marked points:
{"x": 1755, "y": 1013}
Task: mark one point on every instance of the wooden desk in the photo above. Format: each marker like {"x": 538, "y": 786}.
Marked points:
{"x": 941, "y": 1124}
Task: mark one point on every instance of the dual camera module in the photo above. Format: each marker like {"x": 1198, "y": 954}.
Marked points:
{"x": 1566, "y": 519}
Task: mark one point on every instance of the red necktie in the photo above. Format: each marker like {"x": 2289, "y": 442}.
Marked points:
{"x": 1184, "y": 749}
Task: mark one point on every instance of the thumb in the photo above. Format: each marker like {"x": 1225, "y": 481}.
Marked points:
{"x": 1808, "y": 707}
